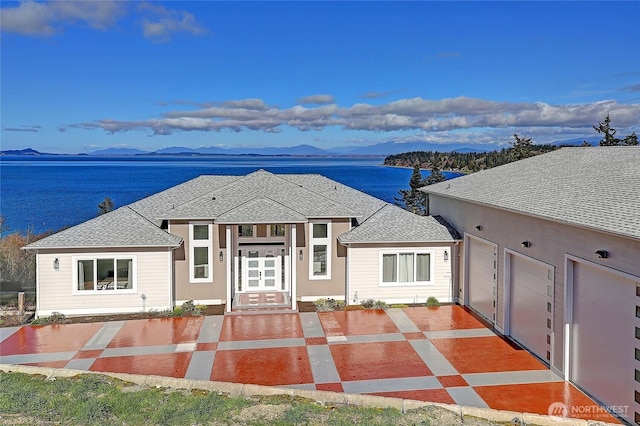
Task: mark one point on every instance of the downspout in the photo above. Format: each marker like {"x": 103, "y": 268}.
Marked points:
{"x": 228, "y": 267}
{"x": 294, "y": 270}
{"x": 37, "y": 284}
{"x": 346, "y": 274}
{"x": 455, "y": 263}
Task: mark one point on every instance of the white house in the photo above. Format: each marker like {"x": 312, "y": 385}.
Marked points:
{"x": 242, "y": 241}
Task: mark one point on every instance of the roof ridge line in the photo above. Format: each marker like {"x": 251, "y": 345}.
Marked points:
{"x": 259, "y": 198}
{"x": 322, "y": 195}
{"x": 143, "y": 217}
{"x": 375, "y": 213}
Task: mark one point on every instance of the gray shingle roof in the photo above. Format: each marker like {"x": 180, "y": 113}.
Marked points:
{"x": 364, "y": 204}
{"x": 260, "y": 184}
{"x": 261, "y": 210}
{"x": 596, "y": 188}
{"x": 120, "y": 228}
{"x": 259, "y": 197}
{"x": 150, "y": 207}
{"x": 392, "y": 224}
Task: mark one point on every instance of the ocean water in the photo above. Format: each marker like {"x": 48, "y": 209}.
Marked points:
{"x": 49, "y": 193}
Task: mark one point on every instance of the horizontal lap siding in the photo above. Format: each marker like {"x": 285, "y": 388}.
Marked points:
{"x": 55, "y": 288}
{"x": 364, "y": 276}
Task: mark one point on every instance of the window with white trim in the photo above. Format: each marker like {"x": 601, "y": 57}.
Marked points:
{"x": 201, "y": 256}
{"x": 108, "y": 274}
{"x": 320, "y": 244}
{"x": 406, "y": 268}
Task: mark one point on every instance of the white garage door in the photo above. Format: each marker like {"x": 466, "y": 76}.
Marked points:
{"x": 483, "y": 263}
{"x": 531, "y": 291}
{"x": 603, "y": 335}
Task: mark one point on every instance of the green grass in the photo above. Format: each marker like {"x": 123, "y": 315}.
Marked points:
{"x": 100, "y": 400}
{"x": 90, "y": 399}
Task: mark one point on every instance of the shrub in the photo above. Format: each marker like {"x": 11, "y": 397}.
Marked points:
{"x": 399, "y": 305}
{"x": 189, "y": 309}
{"x": 367, "y": 304}
{"x": 380, "y": 305}
{"x": 325, "y": 305}
{"x": 55, "y": 318}
{"x": 432, "y": 301}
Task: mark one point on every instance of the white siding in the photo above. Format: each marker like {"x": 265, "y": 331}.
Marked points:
{"x": 364, "y": 276}
{"x": 55, "y": 288}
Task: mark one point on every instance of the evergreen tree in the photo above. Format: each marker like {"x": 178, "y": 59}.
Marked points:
{"x": 105, "y": 206}
{"x": 520, "y": 148}
{"x": 632, "y": 139}
{"x": 412, "y": 199}
{"x": 609, "y": 133}
{"x": 435, "y": 176}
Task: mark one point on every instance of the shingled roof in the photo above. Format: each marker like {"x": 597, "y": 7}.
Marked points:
{"x": 120, "y": 228}
{"x": 261, "y": 184}
{"x": 392, "y": 224}
{"x": 596, "y": 188}
{"x": 259, "y": 197}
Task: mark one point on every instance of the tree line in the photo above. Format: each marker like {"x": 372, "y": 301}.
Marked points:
{"x": 521, "y": 147}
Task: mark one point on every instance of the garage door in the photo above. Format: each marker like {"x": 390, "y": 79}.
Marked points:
{"x": 604, "y": 335}
{"x": 531, "y": 291}
{"x": 483, "y": 263}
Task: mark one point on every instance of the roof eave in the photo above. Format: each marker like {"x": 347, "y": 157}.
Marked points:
{"x": 400, "y": 242}
{"x": 103, "y": 246}
{"x": 262, "y": 222}
{"x": 539, "y": 216}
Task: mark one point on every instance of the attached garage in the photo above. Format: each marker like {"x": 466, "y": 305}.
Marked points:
{"x": 481, "y": 277}
{"x": 603, "y": 340}
{"x": 530, "y": 296}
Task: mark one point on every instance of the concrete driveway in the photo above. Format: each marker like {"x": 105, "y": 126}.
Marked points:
{"x": 439, "y": 354}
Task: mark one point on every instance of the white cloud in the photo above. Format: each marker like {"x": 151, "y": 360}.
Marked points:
{"x": 425, "y": 117}
{"x": 49, "y": 18}
{"x": 160, "y": 23}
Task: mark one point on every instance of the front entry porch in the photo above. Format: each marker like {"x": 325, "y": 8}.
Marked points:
{"x": 261, "y": 301}
{"x": 260, "y": 267}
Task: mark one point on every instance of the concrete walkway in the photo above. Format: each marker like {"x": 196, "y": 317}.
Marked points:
{"x": 440, "y": 355}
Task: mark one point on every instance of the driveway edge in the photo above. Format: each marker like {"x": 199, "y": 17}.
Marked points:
{"x": 323, "y": 397}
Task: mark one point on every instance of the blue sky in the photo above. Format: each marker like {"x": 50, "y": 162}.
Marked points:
{"x": 81, "y": 76}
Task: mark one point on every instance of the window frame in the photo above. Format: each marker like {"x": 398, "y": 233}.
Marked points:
{"x": 253, "y": 231}
{"x": 106, "y": 256}
{"x": 324, "y": 241}
{"x": 193, "y": 244}
{"x": 275, "y": 226}
{"x": 415, "y": 253}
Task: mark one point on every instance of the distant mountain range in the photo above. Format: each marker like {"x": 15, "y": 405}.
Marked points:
{"x": 381, "y": 149}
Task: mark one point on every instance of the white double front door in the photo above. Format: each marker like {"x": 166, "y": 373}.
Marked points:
{"x": 261, "y": 270}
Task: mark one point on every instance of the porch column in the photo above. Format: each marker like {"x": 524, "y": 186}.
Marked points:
{"x": 294, "y": 261}
{"x": 229, "y": 263}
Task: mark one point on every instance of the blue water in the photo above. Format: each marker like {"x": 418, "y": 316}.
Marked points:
{"x": 49, "y": 193}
